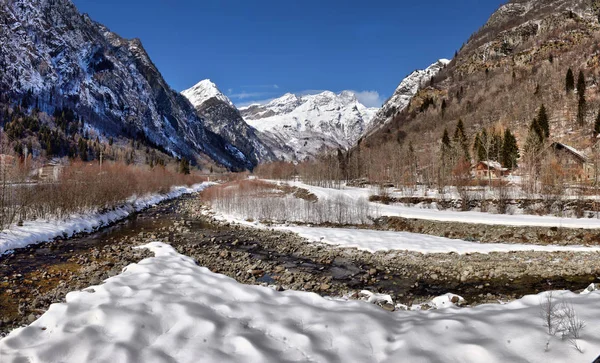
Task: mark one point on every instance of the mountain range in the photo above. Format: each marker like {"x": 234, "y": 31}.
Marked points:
{"x": 56, "y": 57}
{"x": 310, "y": 124}
{"x": 60, "y": 58}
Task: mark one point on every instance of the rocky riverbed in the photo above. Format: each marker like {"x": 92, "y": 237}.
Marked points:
{"x": 33, "y": 278}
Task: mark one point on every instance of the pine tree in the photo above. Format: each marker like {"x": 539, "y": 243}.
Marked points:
{"x": 495, "y": 152}
{"x": 542, "y": 123}
{"x": 461, "y": 142}
{"x": 477, "y": 147}
{"x": 569, "y": 81}
{"x": 446, "y": 139}
{"x": 535, "y": 137}
{"x": 482, "y": 147}
{"x": 184, "y": 166}
{"x": 443, "y": 107}
{"x": 581, "y": 110}
{"x": 581, "y": 84}
{"x": 510, "y": 150}
{"x": 581, "y": 102}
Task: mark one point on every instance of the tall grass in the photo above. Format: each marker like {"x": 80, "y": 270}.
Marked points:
{"x": 262, "y": 201}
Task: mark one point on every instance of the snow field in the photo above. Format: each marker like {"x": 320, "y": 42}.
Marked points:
{"x": 374, "y": 241}
{"x": 397, "y": 210}
{"x": 167, "y": 309}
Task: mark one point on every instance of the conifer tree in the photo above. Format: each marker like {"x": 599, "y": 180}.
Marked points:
{"x": 542, "y": 123}
{"x": 443, "y": 107}
{"x": 581, "y": 83}
{"x": 478, "y": 150}
{"x": 569, "y": 81}
{"x": 461, "y": 142}
{"x": 446, "y": 140}
{"x": 510, "y": 150}
{"x": 495, "y": 152}
{"x": 184, "y": 166}
{"x": 581, "y": 102}
{"x": 535, "y": 137}
{"x": 581, "y": 110}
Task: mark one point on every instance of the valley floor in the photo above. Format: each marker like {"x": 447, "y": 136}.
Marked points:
{"x": 167, "y": 308}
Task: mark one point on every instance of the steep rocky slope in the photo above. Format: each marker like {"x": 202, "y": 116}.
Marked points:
{"x": 57, "y": 57}
{"x": 502, "y": 75}
{"x": 402, "y": 96}
{"x": 303, "y": 126}
{"x": 223, "y": 118}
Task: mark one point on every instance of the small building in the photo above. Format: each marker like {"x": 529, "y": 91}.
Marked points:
{"x": 50, "y": 171}
{"x": 575, "y": 164}
{"x": 489, "y": 169}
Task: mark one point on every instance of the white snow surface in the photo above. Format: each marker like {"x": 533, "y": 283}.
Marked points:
{"x": 168, "y": 309}
{"x": 33, "y": 232}
{"x": 308, "y": 124}
{"x": 203, "y": 91}
{"x": 374, "y": 241}
{"x": 398, "y": 210}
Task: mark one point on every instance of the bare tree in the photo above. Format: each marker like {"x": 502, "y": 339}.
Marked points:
{"x": 549, "y": 313}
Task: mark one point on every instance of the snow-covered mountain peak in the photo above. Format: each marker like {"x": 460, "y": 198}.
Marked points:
{"x": 311, "y": 123}
{"x": 203, "y": 91}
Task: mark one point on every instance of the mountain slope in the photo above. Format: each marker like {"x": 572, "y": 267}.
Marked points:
{"x": 515, "y": 63}
{"x": 223, "y": 118}
{"x": 404, "y": 93}
{"x": 303, "y": 126}
{"x": 58, "y": 57}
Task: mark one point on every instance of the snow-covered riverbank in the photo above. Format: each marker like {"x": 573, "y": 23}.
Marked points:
{"x": 33, "y": 232}
{"x": 393, "y": 210}
{"x": 167, "y": 309}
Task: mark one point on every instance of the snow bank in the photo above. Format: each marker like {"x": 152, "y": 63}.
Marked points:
{"x": 167, "y": 309}
{"x": 373, "y": 241}
{"x": 45, "y": 230}
{"x": 398, "y": 210}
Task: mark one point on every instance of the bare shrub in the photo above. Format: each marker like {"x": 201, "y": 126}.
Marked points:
{"x": 81, "y": 188}
{"x": 549, "y": 313}
{"x": 257, "y": 200}
{"x": 571, "y": 325}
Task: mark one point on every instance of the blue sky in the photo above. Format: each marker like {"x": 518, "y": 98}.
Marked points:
{"x": 255, "y": 50}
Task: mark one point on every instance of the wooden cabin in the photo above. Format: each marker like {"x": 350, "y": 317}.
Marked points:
{"x": 489, "y": 170}
{"x": 575, "y": 164}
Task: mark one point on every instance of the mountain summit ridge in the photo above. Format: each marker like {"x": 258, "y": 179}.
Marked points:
{"x": 309, "y": 124}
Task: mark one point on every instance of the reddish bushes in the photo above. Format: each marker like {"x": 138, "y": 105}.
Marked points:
{"x": 83, "y": 187}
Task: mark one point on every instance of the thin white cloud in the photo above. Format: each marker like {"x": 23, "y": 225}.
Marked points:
{"x": 369, "y": 98}
{"x": 246, "y": 95}
{"x": 255, "y": 102}
{"x": 273, "y": 86}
